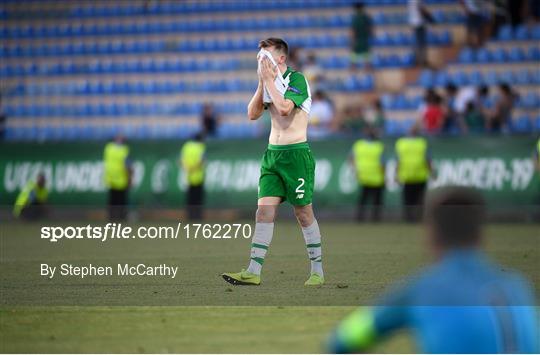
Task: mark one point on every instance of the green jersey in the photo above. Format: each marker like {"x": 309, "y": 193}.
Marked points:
{"x": 298, "y": 89}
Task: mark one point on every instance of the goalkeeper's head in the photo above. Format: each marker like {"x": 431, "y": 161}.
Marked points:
{"x": 454, "y": 217}
{"x": 278, "y": 47}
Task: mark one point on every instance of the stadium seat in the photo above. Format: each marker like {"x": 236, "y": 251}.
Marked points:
{"x": 505, "y": 33}
{"x": 535, "y": 33}
{"x": 516, "y": 55}
{"x": 483, "y": 55}
{"x": 533, "y": 54}
{"x": 521, "y": 125}
{"x": 521, "y": 33}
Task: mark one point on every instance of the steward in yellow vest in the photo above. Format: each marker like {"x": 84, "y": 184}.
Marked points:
{"x": 192, "y": 162}
{"x": 31, "y": 200}
{"x": 368, "y": 159}
{"x": 117, "y": 176}
{"x": 413, "y": 172}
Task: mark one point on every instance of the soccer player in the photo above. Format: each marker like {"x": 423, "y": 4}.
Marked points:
{"x": 464, "y": 303}
{"x": 287, "y": 167}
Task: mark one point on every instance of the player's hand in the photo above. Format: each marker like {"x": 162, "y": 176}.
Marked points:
{"x": 268, "y": 72}
{"x": 259, "y": 74}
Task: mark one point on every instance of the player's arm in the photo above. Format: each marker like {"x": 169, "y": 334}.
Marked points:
{"x": 356, "y": 333}
{"x": 284, "y": 106}
{"x": 268, "y": 74}
{"x": 368, "y": 325}
{"x": 256, "y": 105}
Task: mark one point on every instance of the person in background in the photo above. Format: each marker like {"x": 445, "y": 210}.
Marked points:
{"x": 482, "y": 100}
{"x": 499, "y": 16}
{"x": 474, "y": 22}
{"x": 375, "y": 117}
{"x": 419, "y": 16}
{"x": 209, "y": 120}
{"x": 361, "y": 33}
{"x": 369, "y": 162}
{"x": 432, "y": 113}
{"x": 192, "y": 157}
{"x": 473, "y": 118}
{"x": 351, "y": 120}
{"x": 322, "y": 115}
{"x": 471, "y": 105}
{"x": 296, "y": 60}
{"x": 413, "y": 171}
{"x": 533, "y": 9}
{"x": 501, "y": 115}
{"x": 464, "y": 303}
{"x": 31, "y": 201}
{"x": 380, "y": 116}
{"x": 516, "y": 11}
{"x": 478, "y": 95}
{"x": 313, "y": 72}
{"x": 118, "y": 174}
{"x": 452, "y": 119}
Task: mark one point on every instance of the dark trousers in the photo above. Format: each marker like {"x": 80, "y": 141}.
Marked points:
{"x": 194, "y": 202}
{"x": 34, "y": 211}
{"x": 420, "y": 45}
{"x": 413, "y": 201}
{"x": 117, "y": 204}
{"x": 370, "y": 194}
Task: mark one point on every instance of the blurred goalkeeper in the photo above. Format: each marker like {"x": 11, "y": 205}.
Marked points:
{"x": 287, "y": 167}
{"x": 464, "y": 303}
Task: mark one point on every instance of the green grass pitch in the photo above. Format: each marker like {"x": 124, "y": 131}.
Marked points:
{"x": 198, "y": 311}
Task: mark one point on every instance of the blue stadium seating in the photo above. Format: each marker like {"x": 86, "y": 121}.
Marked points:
{"x": 429, "y": 78}
{"x": 85, "y": 55}
{"x": 499, "y": 55}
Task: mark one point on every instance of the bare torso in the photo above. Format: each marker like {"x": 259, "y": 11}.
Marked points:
{"x": 288, "y": 129}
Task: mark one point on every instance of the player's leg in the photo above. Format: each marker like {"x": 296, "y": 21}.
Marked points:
{"x": 298, "y": 173}
{"x": 260, "y": 243}
{"x": 271, "y": 194}
{"x": 264, "y": 229}
{"x": 312, "y": 237}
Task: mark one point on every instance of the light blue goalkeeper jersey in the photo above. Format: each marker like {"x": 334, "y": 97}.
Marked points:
{"x": 463, "y": 304}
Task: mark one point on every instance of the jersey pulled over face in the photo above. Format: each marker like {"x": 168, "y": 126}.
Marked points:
{"x": 293, "y": 128}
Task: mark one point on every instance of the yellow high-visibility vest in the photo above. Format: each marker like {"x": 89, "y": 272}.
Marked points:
{"x": 116, "y": 173}
{"x": 191, "y": 158}
{"x": 367, "y": 159}
{"x": 413, "y": 165}
{"x": 23, "y": 199}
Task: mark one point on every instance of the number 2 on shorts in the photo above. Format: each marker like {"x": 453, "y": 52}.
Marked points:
{"x": 299, "y": 189}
